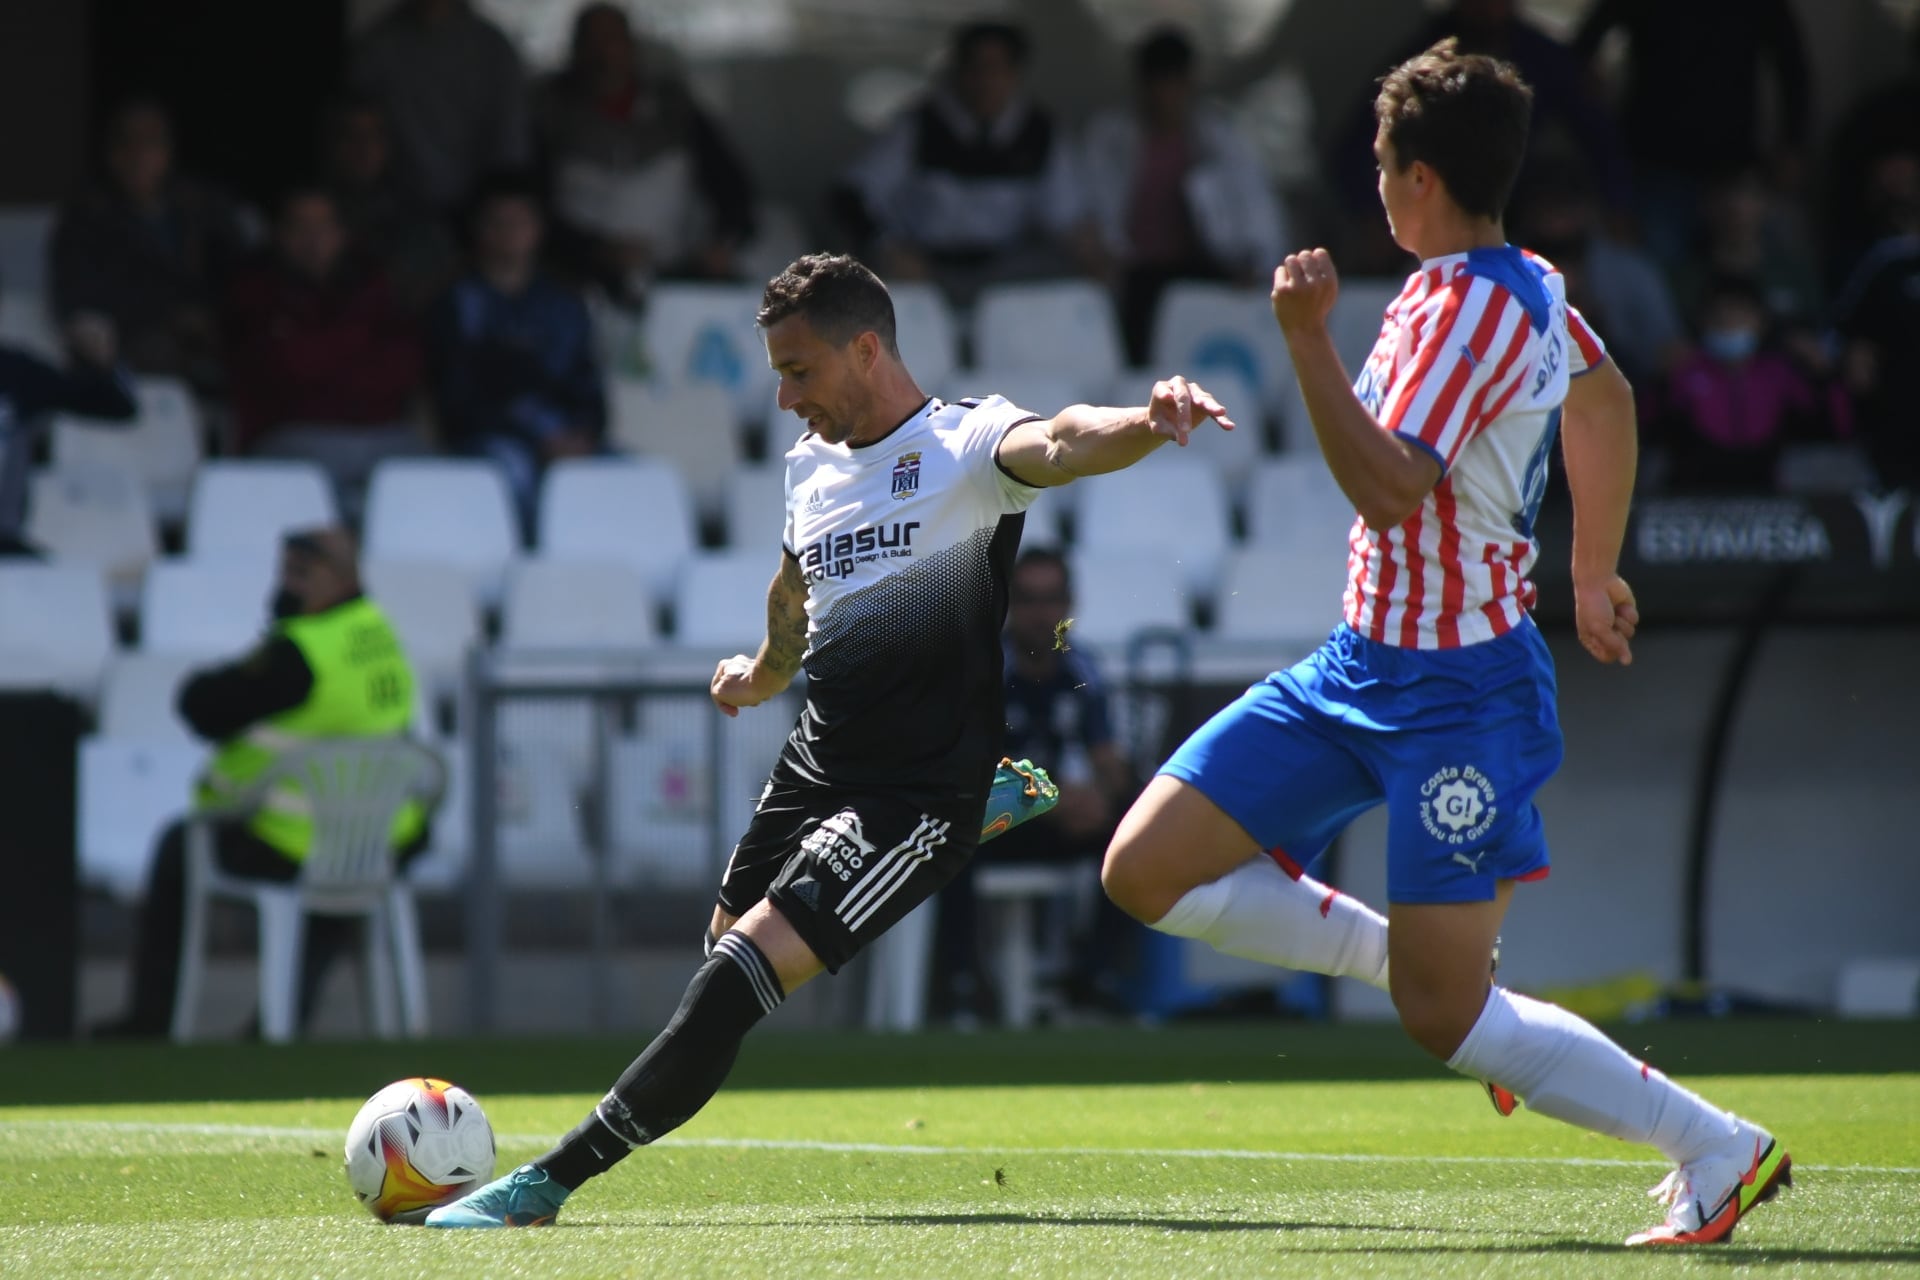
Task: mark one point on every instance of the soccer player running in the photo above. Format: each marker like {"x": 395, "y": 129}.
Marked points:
{"x": 903, "y": 517}
{"x": 1436, "y": 694}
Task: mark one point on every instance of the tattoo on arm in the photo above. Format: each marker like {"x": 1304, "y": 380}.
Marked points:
{"x": 786, "y": 619}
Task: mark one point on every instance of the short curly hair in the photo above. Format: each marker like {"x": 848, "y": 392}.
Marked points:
{"x": 1464, "y": 115}
{"x": 837, "y": 294}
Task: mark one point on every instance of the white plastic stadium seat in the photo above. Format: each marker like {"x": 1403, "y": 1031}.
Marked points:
{"x": 25, "y": 322}
{"x": 1201, "y": 328}
{"x": 928, "y": 336}
{"x": 129, "y": 790}
{"x": 576, "y": 604}
{"x": 1287, "y": 595}
{"x": 207, "y": 609}
{"x": 1038, "y": 391}
{"x": 1065, "y": 327}
{"x": 26, "y": 233}
{"x": 630, "y": 510}
{"x": 138, "y": 697}
{"x": 757, "y": 509}
{"x": 1233, "y": 453}
{"x": 241, "y": 509}
{"x": 695, "y": 333}
{"x": 432, "y": 608}
{"x": 1118, "y": 594}
{"x": 162, "y": 444}
{"x": 55, "y": 628}
{"x": 689, "y": 426}
{"x": 454, "y": 511}
{"x": 1294, "y": 501}
{"x": 1172, "y": 504}
{"x": 722, "y": 602}
{"x": 97, "y": 516}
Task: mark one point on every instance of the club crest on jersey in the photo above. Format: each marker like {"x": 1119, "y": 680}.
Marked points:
{"x": 906, "y": 475}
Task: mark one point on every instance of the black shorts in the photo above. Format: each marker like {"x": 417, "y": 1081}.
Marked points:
{"x": 845, "y": 865}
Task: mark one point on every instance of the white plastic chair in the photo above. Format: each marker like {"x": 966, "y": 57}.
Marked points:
{"x": 1294, "y": 501}
{"x": 56, "y": 630}
{"x": 162, "y": 445}
{"x": 1119, "y": 594}
{"x": 129, "y": 789}
{"x": 94, "y": 515}
{"x": 455, "y": 511}
{"x": 1283, "y": 595}
{"x": 26, "y": 233}
{"x": 356, "y": 788}
{"x": 432, "y": 609}
{"x": 138, "y": 696}
{"x": 706, "y": 333}
{"x": 756, "y": 507}
{"x": 690, "y": 427}
{"x": 631, "y": 511}
{"x": 240, "y": 510}
{"x": 25, "y": 322}
{"x": 208, "y": 609}
{"x": 1041, "y": 391}
{"x": 722, "y": 602}
{"x": 1061, "y": 326}
{"x": 1233, "y": 454}
{"x": 577, "y": 605}
{"x": 924, "y": 326}
{"x": 1201, "y": 329}
{"x": 1173, "y": 504}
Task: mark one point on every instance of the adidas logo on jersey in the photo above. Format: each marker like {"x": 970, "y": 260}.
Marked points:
{"x": 836, "y": 555}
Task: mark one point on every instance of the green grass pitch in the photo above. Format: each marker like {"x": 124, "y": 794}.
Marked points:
{"x": 1249, "y": 1150}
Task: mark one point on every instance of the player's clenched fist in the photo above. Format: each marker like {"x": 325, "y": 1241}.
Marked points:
{"x": 738, "y": 682}
{"x": 1177, "y": 406}
{"x": 1304, "y": 287}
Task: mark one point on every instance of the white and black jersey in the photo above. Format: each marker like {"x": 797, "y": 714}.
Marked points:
{"x": 906, "y": 545}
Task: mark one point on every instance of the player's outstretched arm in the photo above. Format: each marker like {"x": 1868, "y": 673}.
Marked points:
{"x": 1599, "y": 436}
{"x": 1382, "y": 475}
{"x": 741, "y": 681}
{"x": 1082, "y": 440}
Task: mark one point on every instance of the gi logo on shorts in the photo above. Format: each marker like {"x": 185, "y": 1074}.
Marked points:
{"x": 906, "y": 475}
{"x": 839, "y": 845}
{"x": 1457, "y": 805}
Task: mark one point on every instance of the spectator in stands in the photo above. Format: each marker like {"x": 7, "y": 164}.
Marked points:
{"x": 1692, "y": 103}
{"x": 1878, "y": 315}
{"x": 644, "y": 182}
{"x": 1883, "y": 122}
{"x": 1728, "y": 409}
{"x": 384, "y": 220}
{"x": 148, "y": 250}
{"x": 976, "y": 183}
{"x": 1176, "y": 188}
{"x": 511, "y": 352}
{"x": 454, "y": 93}
{"x": 1747, "y": 230}
{"x": 1619, "y": 288}
{"x": 330, "y": 667}
{"x": 1057, "y": 716}
{"x": 95, "y": 386}
{"x": 323, "y": 364}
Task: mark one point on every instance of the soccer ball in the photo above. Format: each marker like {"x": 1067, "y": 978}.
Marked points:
{"x": 416, "y": 1144}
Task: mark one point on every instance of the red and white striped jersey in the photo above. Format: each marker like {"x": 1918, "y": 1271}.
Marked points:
{"x": 1472, "y": 365}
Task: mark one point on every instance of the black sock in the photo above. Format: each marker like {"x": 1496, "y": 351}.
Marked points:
{"x": 683, "y": 1067}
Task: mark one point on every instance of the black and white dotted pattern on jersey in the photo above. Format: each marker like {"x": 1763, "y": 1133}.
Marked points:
{"x": 929, "y": 608}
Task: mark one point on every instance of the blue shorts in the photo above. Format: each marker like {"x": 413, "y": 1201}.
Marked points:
{"x": 1454, "y": 741}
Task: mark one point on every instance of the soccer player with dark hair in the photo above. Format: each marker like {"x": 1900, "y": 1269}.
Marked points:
{"x": 903, "y": 516}
{"x": 1435, "y": 695}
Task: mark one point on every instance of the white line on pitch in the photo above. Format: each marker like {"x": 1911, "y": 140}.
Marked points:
{"x": 137, "y": 1127}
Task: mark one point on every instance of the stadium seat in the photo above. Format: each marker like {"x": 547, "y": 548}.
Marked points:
{"x": 757, "y": 509}
{"x": 1046, "y": 525}
{"x": 630, "y": 510}
{"x": 433, "y": 610}
{"x": 97, "y": 516}
{"x": 929, "y": 338}
{"x": 780, "y": 235}
{"x": 1118, "y": 594}
{"x": 1171, "y": 504}
{"x": 137, "y": 699}
{"x": 441, "y": 867}
{"x": 1035, "y": 390}
{"x": 599, "y": 605}
{"x": 454, "y": 511}
{"x": 539, "y": 834}
{"x": 690, "y": 427}
{"x": 1233, "y": 453}
{"x": 162, "y": 445}
{"x": 26, "y": 233}
{"x": 1295, "y": 501}
{"x": 56, "y": 630}
{"x": 660, "y": 819}
{"x": 1288, "y": 595}
{"x": 1357, "y": 316}
{"x": 129, "y": 790}
{"x": 213, "y": 610}
{"x": 1200, "y": 328}
{"x": 722, "y": 601}
{"x": 705, "y": 333}
{"x": 1065, "y": 327}
{"x": 240, "y": 510}
{"x": 26, "y": 323}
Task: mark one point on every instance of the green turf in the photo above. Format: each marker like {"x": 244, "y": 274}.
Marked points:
{"x": 1205, "y": 1151}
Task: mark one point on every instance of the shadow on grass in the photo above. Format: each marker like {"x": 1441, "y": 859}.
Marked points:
{"x": 1239, "y": 1053}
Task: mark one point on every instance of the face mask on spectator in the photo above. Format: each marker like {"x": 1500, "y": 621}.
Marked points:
{"x": 1731, "y": 346}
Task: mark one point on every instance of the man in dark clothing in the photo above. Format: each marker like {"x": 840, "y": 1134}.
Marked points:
{"x": 31, "y": 390}
{"x": 384, "y": 220}
{"x": 329, "y": 667}
{"x": 1879, "y": 316}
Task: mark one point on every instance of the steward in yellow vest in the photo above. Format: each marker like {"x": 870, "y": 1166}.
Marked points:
{"x": 330, "y": 666}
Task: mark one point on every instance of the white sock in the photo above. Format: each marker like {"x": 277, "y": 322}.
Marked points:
{"x": 1259, "y": 912}
{"x": 1561, "y": 1066}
